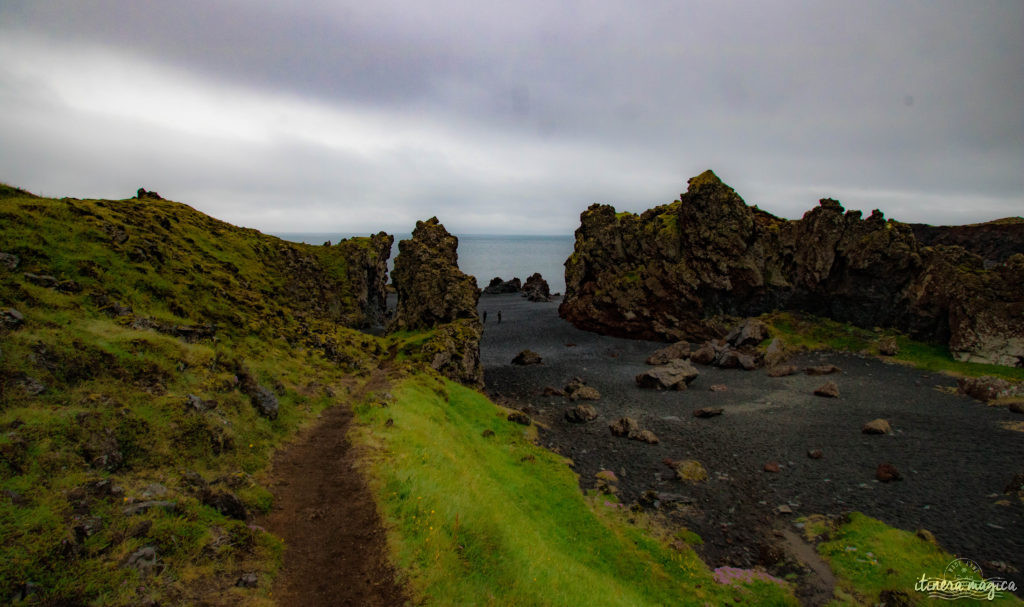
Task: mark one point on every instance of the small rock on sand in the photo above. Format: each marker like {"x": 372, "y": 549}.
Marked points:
{"x": 580, "y": 414}
{"x": 675, "y": 351}
{"x": 624, "y": 426}
{"x": 718, "y": 387}
{"x": 527, "y": 357}
{"x": 822, "y": 370}
{"x": 691, "y": 470}
{"x": 585, "y": 393}
{"x": 815, "y": 454}
{"x": 771, "y": 467}
{"x": 519, "y": 417}
{"x": 887, "y": 346}
{"x": 782, "y": 370}
{"x": 550, "y": 391}
{"x": 705, "y": 412}
{"x": 886, "y": 473}
{"x": 673, "y": 376}
{"x": 877, "y": 426}
{"x": 828, "y": 390}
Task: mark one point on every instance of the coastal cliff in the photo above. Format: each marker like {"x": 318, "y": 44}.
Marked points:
{"x": 674, "y": 271}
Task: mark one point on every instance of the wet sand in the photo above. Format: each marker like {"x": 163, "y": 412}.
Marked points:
{"x": 953, "y": 453}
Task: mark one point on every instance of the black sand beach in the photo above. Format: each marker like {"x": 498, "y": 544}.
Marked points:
{"x": 954, "y": 453}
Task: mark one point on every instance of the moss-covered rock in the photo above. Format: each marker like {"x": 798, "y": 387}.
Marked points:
{"x": 672, "y": 272}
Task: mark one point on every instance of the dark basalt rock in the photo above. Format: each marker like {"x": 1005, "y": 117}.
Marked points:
{"x": 498, "y": 286}
{"x": 670, "y": 272}
{"x": 536, "y": 288}
{"x": 527, "y": 357}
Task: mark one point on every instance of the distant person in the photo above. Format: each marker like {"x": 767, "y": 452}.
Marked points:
{"x": 499, "y": 317}
{"x": 485, "y": 317}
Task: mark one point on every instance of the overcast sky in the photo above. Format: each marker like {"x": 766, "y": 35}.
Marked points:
{"x": 513, "y": 117}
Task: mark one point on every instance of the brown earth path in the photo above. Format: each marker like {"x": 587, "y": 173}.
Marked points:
{"x": 335, "y": 544}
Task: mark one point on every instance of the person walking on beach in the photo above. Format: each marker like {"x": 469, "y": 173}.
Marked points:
{"x": 485, "y": 317}
{"x": 499, "y": 317}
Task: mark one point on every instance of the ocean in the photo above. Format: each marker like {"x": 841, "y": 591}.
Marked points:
{"x": 486, "y": 256}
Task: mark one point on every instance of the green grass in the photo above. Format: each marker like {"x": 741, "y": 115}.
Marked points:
{"x": 804, "y": 331}
{"x": 499, "y": 521}
{"x": 869, "y": 557}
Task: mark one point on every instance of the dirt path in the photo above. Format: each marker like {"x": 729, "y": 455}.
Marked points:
{"x": 335, "y": 545}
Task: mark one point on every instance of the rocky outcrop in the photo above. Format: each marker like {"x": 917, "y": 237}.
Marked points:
{"x": 434, "y": 294}
{"x": 498, "y": 286}
{"x": 368, "y": 274}
{"x": 431, "y": 289}
{"x": 536, "y": 288}
{"x": 994, "y": 241}
{"x": 673, "y": 272}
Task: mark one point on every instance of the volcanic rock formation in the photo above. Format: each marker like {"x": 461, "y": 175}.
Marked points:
{"x": 669, "y": 272}
{"x": 434, "y": 293}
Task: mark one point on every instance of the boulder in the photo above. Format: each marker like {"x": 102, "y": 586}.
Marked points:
{"x": 989, "y": 388}
{"x": 262, "y": 399}
{"x": 606, "y": 482}
{"x": 11, "y": 318}
{"x": 828, "y": 390}
{"x": 226, "y": 503}
{"x": 580, "y": 414}
{"x": 585, "y": 393}
{"x": 887, "y": 346}
{"x": 676, "y": 375}
{"x": 886, "y": 473}
{"x": 536, "y": 288}
{"x": 750, "y": 332}
{"x": 645, "y": 436}
{"x": 527, "y": 357}
{"x": 718, "y": 388}
{"x": 782, "y": 370}
{"x": 519, "y": 417}
{"x": 704, "y": 355}
{"x": 877, "y": 426}
{"x": 624, "y": 426}
{"x": 678, "y": 350}
{"x": 552, "y": 391}
{"x": 775, "y": 353}
{"x": 690, "y": 470}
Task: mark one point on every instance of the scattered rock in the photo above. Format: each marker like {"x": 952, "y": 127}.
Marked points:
{"x": 12, "y": 318}
{"x": 750, "y": 332}
{"x": 775, "y": 353}
{"x": 927, "y": 536}
{"x": 691, "y": 470}
{"x": 771, "y": 467}
{"x": 606, "y": 481}
{"x": 886, "y": 473}
{"x": 519, "y": 417}
{"x": 32, "y": 386}
{"x": 536, "y": 288}
{"x": 585, "y": 393}
{"x": 784, "y": 509}
{"x": 624, "y": 426}
{"x": 704, "y": 355}
{"x": 140, "y": 529}
{"x": 678, "y": 350}
{"x": 718, "y": 388}
{"x": 822, "y": 370}
{"x": 1016, "y": 407}
{"x": 989, "y": 388}
{"x": 580, "y": 414}
{"x": 705, "y": 412}
{"x": 577, "y": 389}
{"x": 645, "y": 436}
{"x": 887, "y": 346}
{"x": 144, "y": 560}
{"x": 1016, "y": 484}
{"x": 815, "y": 454}
{"x": 249, "y": 580}
{"x": 673, "y": 376}
{"x": 9, "y": 261}
{"x": 198, "y": 404}
{"x": 263, "y": 399}
{"x": 877, "y": 426}
{"x": 782, "y": 370}
{"x": 226, "y": 503}
{"x": 828, "y": 390}
{"x": 550, "y": 391}
{"x": 527, "y": 357}
{"x": 42, "y": 280}
{"x": 498, "y": 286}
{"x": 140, "y": 507}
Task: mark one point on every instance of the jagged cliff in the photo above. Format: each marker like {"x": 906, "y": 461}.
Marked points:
{"x": 670, "y": 272}
{"x": 434, "y": 294}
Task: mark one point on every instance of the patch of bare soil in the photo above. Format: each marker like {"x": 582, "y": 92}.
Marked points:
{"x": 323, "y": 509}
